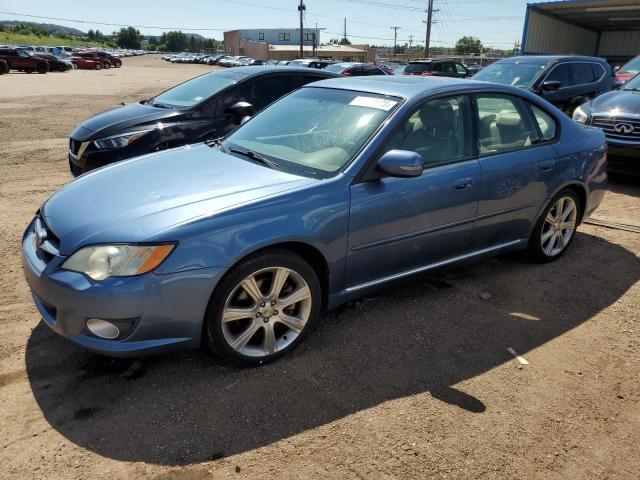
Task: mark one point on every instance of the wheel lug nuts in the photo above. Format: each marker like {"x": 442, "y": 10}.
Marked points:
{"x": 275, "y": 312}
{"x": 273, "y": 302}
{"x": 258, "y": 314}
{"x": 262, "y": 304}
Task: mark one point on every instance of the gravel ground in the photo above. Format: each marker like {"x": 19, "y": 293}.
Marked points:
{"x": 415, "y": 382}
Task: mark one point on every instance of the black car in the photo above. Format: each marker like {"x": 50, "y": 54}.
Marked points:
{"x": 617, "y": 113}
{"x": 55, "y": 64}
{"x": 203, "y": 108}
{"x": 436, "y": 68}
{"x": 565, "y": 81}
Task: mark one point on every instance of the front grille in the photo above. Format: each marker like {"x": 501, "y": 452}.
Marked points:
{"x": 75, "y": 169}
{"x": 608, "y": 126}
{"x": 46, "y": 242}
{"x": 74, "y": 145}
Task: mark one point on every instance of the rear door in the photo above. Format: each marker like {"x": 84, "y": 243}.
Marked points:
{"x": 398, "y": 224}
{"x": 517, "y": 163}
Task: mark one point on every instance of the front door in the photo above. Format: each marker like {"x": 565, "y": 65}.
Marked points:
{"x": 398, "y": 224}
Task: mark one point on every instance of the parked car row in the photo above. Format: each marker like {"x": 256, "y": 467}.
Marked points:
{"x": 43, "y": 59}
{"x": 336, "y": 187}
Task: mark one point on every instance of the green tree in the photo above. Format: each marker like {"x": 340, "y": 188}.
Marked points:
{"x": 176, "y": 41}
{"x": 468, "y": 45}
{"x": 129, "y": 38}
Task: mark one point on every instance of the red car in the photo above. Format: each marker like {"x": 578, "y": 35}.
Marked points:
{"x": 86, "y": 63}
{"x": 113, "y": 61}
{"x": 23, "y": 61}
{"x": 94, "y": 56}
{"x": 628, "y": 71}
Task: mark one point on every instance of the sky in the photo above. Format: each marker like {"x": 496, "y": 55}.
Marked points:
{"x": 498, "y": 23}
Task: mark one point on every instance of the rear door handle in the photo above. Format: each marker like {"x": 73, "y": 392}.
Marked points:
{"x": 463, "y": 183}
{"x": 547, "y": 165}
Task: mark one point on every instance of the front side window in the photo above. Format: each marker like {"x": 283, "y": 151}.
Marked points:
{"x": 313, "y": 132}
{"x": 511, "y": 73}
{"x": 194, "y": 91}
{"x": 262, "y": 92}
{"x": 561, "y": 74}
{"x": 503, "y": 124}
{"x": 460, "y": 69}
{"x": 439, "y": 131}
{"x": 24, "y": 54}
{"x": 547, "y": 124}
{"x": 416, "y": 68}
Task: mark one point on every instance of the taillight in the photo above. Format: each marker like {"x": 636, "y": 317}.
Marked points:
{"x": 346, "y": 74}
{"x": 428, "y": 74}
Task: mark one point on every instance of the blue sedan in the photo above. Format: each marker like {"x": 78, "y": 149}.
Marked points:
{"x": 329, "y": 193}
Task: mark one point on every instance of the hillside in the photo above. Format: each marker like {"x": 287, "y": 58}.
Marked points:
{"x": 51, "y": 27}
{"x": 10, "y": 38}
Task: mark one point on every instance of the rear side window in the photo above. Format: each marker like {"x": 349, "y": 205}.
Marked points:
{"x": 503, "y": 124}
{"x": 560, "y": 73}
{"x": 581, "y": 74}
{"x": 546, "y": 122}
{"x": 460, "y": 69}
{"x": 598, "y": 71}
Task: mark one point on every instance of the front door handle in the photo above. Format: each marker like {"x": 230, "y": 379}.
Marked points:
{"x": 463, "y": 183}
{"x": 547, "y": 165}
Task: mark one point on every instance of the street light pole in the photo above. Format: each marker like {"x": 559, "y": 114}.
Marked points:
{"x": 301, "y": 9}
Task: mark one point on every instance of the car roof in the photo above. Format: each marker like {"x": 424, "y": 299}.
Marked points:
{"x": 255, "y": 70}
{"x": 545, "y": 59}
{"x": 404, "y": 86}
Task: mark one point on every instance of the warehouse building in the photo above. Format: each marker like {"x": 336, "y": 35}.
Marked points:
{"x": 234, "y": 40}
{"x": 603, "y": 28}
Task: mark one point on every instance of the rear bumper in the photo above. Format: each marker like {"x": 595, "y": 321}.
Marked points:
{"x": 155, "y": 313}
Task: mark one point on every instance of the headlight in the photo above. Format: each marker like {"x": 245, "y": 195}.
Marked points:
{"x": 122, "y": 140}
{"x": 103, "y": 261}
{"x": 580, "y": 115}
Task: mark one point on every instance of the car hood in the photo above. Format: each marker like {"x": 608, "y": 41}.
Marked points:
{"x": 141, "y": 199}
{"x": 626, "y": 101}
{"x": 120, "y": 119}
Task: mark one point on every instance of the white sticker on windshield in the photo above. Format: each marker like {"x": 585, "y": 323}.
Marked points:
{"x": 373, "y": 102}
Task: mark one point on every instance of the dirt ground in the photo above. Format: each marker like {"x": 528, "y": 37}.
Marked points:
{"x": 415, "y": 382}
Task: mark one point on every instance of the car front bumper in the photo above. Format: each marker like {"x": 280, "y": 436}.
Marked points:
{"x": 623, "y": 158}
{"x": 155, "y": 313}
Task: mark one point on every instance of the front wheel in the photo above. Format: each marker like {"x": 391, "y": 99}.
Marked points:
{"x": 42, "y": 68}
{"x": 118, "y": 64}
{"x": 263, "y": 308}
{"x": 98, "y": 66}
{"x": 555, "y": 228}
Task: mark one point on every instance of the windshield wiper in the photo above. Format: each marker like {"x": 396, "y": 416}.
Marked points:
{"x": 256, "y": 156}
{"x": 160, "y": 105}
{"x": 216, "y": 142}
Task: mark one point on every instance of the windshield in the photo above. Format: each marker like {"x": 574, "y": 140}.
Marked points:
{"x": 336, "y": 67}
{"x": 632, "y": 67}
{"x": 313, "y": 132}
{"x": 633, "y": 84}
{"x": 417, "y": 68}
{"x": 514, "y": 74}
{"x": 194, "y": 91}
{"x": 299, "y": 63}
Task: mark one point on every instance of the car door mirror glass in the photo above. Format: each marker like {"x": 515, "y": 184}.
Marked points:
{"x": 401, "y": 163}
{"x": 239, "y": 111}
{"x": 551, "y": 85}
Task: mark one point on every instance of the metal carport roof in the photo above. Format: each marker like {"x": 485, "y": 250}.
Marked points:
{"x": 599, "y": 15}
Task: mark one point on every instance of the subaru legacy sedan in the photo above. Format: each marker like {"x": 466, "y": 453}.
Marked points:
{"x": 331, "y": 192}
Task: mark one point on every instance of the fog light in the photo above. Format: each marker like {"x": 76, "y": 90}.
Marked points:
{"x": 102, "y": 328}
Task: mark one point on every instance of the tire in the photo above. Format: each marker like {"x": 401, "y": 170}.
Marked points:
{"x": 42, "y": 68}
{"x": 118, "y": 64}
{"x": 107, "y": 65}
{"x": 98, "y": 66}
{"x": 28, "y": 70}
{"x": 551, "y": 238}
{"x": 62, "y": 68}
{"x": 244, "y": 339}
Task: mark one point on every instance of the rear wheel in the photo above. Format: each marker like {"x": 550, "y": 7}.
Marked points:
{"x": 556, "y": 227}
{"x": 98, "y": 66}
{"x": 42, "y": 68}
{"x": 263, "y": 308}
{"x": 62, "y": 68}
{"x": 118, "y": 64}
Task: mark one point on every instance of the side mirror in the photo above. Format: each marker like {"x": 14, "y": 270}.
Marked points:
{"x": 551, "y": 85}
{"x": 616, "y": 68}
{"x": 401, "y": 163}
{"x": 240, "y": 111}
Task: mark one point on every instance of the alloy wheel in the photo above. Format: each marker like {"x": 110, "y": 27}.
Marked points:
{"x": 559, "y": 226}
{"x": 266, "y": 311}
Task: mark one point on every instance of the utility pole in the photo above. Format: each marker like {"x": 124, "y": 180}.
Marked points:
{"x": 395, "y": 41}
{"x": 301, "y": 9}
{"x": 344, "y": 36}
{"x": 428, "y": 36}
{"x": 410, "y": 41}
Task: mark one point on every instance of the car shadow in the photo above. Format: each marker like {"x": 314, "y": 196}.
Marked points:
{"x": 424, "y": 334}
{"x": 624, "y": 184}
